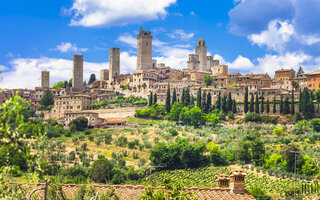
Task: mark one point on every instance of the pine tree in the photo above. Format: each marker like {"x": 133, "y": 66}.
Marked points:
{"x": 168, "y": 98}
{"x": 246, "y": 101}
{"x": 286, "y": 109}
{"x": 224, "y": 104}
{"x": 204, "y": 101}
{"x": 274, "y": 110}
{"x": 292, "y": 102}
{"x": 92, "y": 78}
{"x": 281, "y": 105}
{"x": 47, "y": 99}
{"x": 218, "y": 102}
{"x": 155, "y": 98}
{"x": 199, "y": 98}
{"x": 252, "y": 103}
{"x": 257, "y": 104}
{"x": 268, "y": 106}
{"x": 208, "y": 104}
{"x": 229, "y": 102}
{"x": 150, "y": 99}
{"x": 174, "y": 96}
{"x": 262, "y": 104}
{"x": 234, "y": 106}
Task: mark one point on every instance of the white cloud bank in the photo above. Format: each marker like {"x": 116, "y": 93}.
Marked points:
{"x": 91, "y": 13}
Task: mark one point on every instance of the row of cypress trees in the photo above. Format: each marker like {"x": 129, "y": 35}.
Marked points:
{"x": 226, "y": 104}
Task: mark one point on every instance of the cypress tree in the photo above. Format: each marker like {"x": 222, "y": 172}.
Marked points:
{"x": 218, "y": 102}
{"x": 199, "y": 98}
{"x": 274, "y": 110}
{"x": 192, "y": 100}
{"x": 174, "y": 96}
{"x": 300, "y": 100}
{"x": 187, "y": 98}
{"x": 224, "y": 104}
{"x": 281, "y": 105}
{"x": 168, "y": 105}
{"x": 182, "y": 96}
{"x": 262, "y": 104}
{"x": 268, "y": 106}
{"x": 257, "y": 104}
{"x": 292, "y": 102}
{"x": 234, "y": 106}
{"x": 229, "y": 102}
{"x": 150, "y": 99}
{"x": 155, "y": 99}
{"x": 252, "y": 103}
{"x": 286, "y": 109}
{"x": 208, "y": 104}
{"x": 246, "y": 101}
{"x": 204, "y": 101}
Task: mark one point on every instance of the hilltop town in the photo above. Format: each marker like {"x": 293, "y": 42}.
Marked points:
{"x": 149, "y": 77}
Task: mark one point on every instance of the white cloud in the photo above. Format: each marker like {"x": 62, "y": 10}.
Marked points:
{"x": 10, "y": 55}
{"x": 65, "y": 47}
{"x": 277, "y": 35}
{"x": 270, "y": 63}
{"x": 128, "y": 39}
{"x": 309, "y": 39}
{"x": 192, "y": 13}
{"x": 240, "y": 63}
{"x": 181, "y": 35}
{"x": 121, "y": 12}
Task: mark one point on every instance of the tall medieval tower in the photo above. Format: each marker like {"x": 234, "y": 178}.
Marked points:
{"x": 201, "y": 50}
{"x": 114, "y": 62}
{"x": 77, "y": 76}
{"x": 144, "y": 52}
{"x": 45, "y": 79}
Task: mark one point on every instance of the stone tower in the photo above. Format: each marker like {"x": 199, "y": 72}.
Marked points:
{"x": 193, "y": 62}
{"x": 104, "y": 74}
{"x": 201, "y": 50}
{"x": 144, "y": 52}
{"x": 45, "y": 79}
{"x": 114, "y": 62}
{"x": 77, "y": 76}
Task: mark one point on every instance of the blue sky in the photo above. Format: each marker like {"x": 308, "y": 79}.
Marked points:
{"x": 248, "y": 35}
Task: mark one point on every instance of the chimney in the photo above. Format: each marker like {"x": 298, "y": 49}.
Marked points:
{"x": 223, "y": 181}
{"x": 237, "y": 181}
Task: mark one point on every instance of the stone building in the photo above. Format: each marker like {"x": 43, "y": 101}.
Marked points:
{"x": 144, "y": 50}
{"x": 284, "y": 74}
{"x": 313, "y": 80}
{"x": 45, "y": 79}
{"x": 77, "y": 76}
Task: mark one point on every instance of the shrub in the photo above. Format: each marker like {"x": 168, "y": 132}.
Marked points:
{"x": 78, "y": 124}
{"x": 108, "y": 138}
{"x": 72, "y": 155}
{"x": 315, "y": 124}
{"x": 297, "y": 116}
{"x": 87, "y": 132}
{"x": 252, "y": 117}
{"x": 269, "y": 119}
{"x": 101, "y": 170}
{"x": 258, "y": 193}
{"x": 173, "y": 131}
{"x": 278, "y": 130}
{"x": 91, "y": 138}
{"x": 121, "y": 141}
{"x": 84, "y": 147}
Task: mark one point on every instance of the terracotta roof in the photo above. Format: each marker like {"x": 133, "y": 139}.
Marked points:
{"x": 313, "y": 73}
{"x": 284, "y": 70}
{"x": 134, "y": 192}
